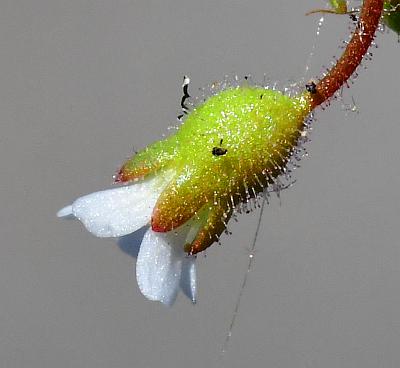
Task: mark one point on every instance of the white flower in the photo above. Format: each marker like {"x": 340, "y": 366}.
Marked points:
{"x": 162, "y": 266}
{"x": 189, "y": 185}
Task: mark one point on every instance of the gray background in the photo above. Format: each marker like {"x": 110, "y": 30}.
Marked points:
{"x": 82, "y": 82}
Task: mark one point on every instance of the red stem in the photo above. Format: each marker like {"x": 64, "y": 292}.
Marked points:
{"x": 352, "y": 56}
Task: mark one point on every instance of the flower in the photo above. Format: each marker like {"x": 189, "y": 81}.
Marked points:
{"x": 227, "y": 151}
{"x": 162, "y": 265}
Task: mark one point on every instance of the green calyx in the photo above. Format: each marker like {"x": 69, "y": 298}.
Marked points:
{"x": 227, "y": 150}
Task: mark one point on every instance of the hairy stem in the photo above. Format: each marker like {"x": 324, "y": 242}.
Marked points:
{"x": 352, "y": 56}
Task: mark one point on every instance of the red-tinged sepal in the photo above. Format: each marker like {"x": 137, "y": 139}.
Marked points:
{"x": 153, "y": 158}
{"x": 210, "y": 232}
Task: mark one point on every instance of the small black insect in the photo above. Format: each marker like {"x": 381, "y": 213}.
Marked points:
{"x": 311, "y": 87}
{"x": 353, "y": 17}
{"x": 219, "y": 151}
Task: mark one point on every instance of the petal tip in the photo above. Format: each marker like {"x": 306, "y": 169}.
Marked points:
{"x": 65, "y": 212}
{"x": 168, "y": 302}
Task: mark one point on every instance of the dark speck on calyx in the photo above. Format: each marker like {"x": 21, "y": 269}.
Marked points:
{"x": 219, "y": 151}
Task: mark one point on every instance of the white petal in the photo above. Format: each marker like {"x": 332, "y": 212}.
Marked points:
{"x": 118, "y": 211}
{"x": 159, "y": 265}
{"x": 115, "y": 212}
{"x": 65, "y": 212}
{"x": 188, "y": 278}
